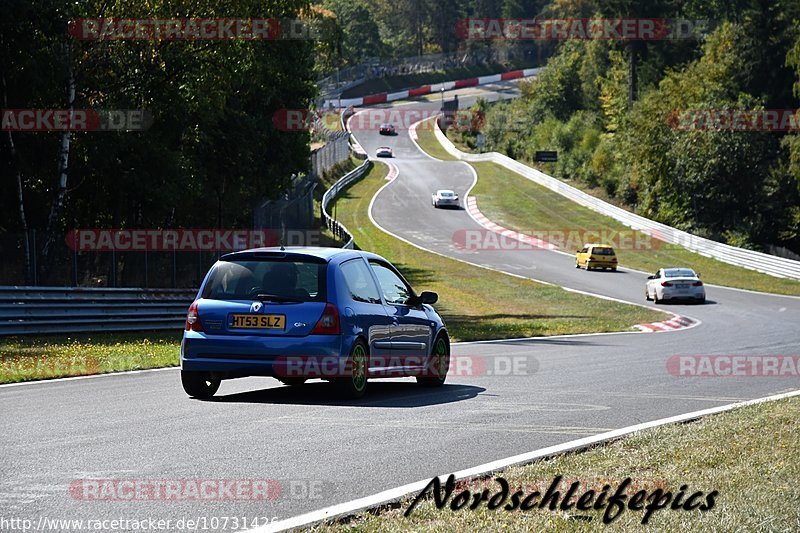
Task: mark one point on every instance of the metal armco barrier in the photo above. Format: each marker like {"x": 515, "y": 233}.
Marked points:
{"x": 335, "y": 226}
{"x": 750, "y": 259}
{"x": 41, "y": 310}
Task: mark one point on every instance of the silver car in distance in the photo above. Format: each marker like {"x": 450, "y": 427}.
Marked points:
{"x": 444, "y": 198}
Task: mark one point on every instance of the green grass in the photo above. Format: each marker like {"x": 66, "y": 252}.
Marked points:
{"x": 517, "y": 203}
{"x": 477, "y": 303}
{"x": 756, "y": 478}
{"x": 426, "y": 138}
{"x": 27, "y": 358}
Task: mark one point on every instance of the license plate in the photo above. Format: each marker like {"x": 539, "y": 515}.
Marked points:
{"x": 681, "y": 286}
{"x": 258, "y": 321}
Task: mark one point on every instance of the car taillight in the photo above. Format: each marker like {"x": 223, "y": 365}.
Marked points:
{"x": 613, "y": 259}
{"x": 193, "y": 319}
{"x": 698, "y": 283}
{"x": 666, "y": 284}
{"x": 328, "y": 323}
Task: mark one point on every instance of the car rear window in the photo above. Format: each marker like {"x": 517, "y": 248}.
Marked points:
{"x": 446, "y": 194}
{"x": 245, "y": 280}
{"x": 603, "y": 251}
{"x": 679, "y": 273}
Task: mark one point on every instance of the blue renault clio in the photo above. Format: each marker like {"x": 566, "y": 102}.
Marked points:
{"x": 299, "y": 313}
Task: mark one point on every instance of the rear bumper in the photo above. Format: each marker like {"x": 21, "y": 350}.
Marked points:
{"x": 698, "y": 293}
{"x": 601, "y": 264}
{"x": 250, "y": 355}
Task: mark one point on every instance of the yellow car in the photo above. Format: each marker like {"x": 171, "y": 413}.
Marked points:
{"x": 596, "y": 256}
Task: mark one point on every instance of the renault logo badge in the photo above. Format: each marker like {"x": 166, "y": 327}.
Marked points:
{"x": 255, "y": 307}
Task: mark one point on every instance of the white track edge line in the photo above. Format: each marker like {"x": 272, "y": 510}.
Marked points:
{"x": 90, "y": 376}
{"x": 387, "y": 496}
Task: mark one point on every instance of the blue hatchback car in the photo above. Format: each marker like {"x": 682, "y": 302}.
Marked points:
{"x": 300, "y": 313}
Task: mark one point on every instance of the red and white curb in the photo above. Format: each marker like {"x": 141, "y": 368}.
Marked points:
{"x": 480, "y": 218}
{"x": 382, "y": 98}
{"x": 357, "y": 148}
{"x": 393, "y": 171}
{"x": 675, "y": 323}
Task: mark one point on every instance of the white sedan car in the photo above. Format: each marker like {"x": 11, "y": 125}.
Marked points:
{"x": 675, "y": 284}
{"x": 383, "y": 151}
{"x": 442, "y": 198}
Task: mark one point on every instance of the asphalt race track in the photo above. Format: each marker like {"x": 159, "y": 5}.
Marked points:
{"x": 321, "y": 451}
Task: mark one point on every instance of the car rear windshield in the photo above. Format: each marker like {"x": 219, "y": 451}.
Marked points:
{"x": 245, "y": 280}
{"x": 603, "y": 251}
{"x": 679, "y": 273}
{"x": 446, "y": 194}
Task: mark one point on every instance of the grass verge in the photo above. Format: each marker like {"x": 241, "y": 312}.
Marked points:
{"x": 426, "y": 138}
{"x": 756, "y": 479}
{"x": 28, "y": 358}
{"x": 482, "y": 304}
{"x": 517, "y": 203}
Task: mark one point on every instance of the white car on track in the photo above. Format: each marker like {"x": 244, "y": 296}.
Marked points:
{"x": 444, "y": 198}
{"x": 384, "y": 151}
{"x": 675, "y": 284}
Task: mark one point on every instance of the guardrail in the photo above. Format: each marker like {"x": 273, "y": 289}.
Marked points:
{"x": 750, "y": 259}
{"x": 39, "y": 310}
{"x": 336, "y": 227}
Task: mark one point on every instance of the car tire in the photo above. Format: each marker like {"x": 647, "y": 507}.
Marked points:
{"x": 355, "y": 385}
{"x": 647, "y": 294}
{"x": 701, "y": 301}
{"x": 200, "y": 385}
{"x": 655, "y": 298}
{"x": 438, "y": 363}
{"x": 293, "y": 382}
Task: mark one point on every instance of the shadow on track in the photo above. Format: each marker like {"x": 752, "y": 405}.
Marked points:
{"x": 405, "y": 394}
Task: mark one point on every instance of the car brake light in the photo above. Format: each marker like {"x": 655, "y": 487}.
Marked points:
{"x": 698, "y": 283}
{"x": 666, "y": 284}
{"x": 328, "y": 323}
{"x": 613, "y": 259}
{"x": 193, "y": 319}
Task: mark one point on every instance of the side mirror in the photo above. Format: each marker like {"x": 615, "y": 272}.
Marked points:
{"x": 429, "y": 297}
{"x": 577, "y": 251}
{"x": 651, "y": 277}
{"x": 698, "y": 275}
